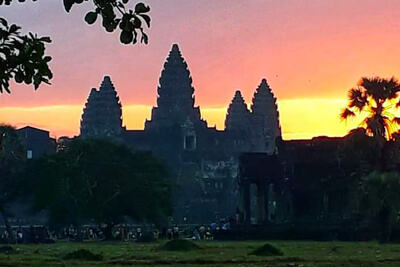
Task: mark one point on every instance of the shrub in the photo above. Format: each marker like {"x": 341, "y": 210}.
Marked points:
{"x": 267, "y": 250}
{"x": 83, "y": 254}
{"x": 179, "y": 245}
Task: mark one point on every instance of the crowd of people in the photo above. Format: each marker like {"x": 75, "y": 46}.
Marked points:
{"x": 31, "y": 234}
{"x": 123, "y": 232}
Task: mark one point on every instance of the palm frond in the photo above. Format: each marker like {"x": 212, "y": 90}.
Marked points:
{"x": 346, "y": 113}
{"x": 357, "y": 98}
{"x": 396, "y": 120}
{"x": 391, "y": 87}
{"x": 380, "y": 89}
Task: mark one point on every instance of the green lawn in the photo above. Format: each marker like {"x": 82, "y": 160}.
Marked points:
{"x": 213, "y": 254}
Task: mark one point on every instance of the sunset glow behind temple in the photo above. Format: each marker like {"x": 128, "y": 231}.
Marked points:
{"x": 298, "y": 118}
{"x": 310, "y": 51}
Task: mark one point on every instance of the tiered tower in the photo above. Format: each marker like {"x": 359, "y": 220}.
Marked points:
{"x": 264, "y": 120}
{"x": 237, "y": 116}
{"x": 175, "y": 100}
{"x": 102, "y": 114}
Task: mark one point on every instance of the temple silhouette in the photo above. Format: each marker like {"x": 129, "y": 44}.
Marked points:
{"x": 203, "y": 161}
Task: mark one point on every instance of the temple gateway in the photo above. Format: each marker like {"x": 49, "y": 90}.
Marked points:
{"x": 203, "y": 161}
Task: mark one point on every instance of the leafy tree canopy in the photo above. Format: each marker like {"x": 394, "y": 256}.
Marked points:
{"x": 12, "y": 159}
{"x": 115, "y": 14}
{"x": 22, "y": 57}
{"x": 12, "y": 165}
{"x": 98, "y": 179}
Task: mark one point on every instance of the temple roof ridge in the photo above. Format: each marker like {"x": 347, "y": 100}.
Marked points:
{"x": 175, "y": 47}
{"x": 263, "y": 95}
{"x": 264, "y": 86}
{"x": 102, "y": 113}
{"x": 237, "y": 113}
{"x": 238, "y": 98}
{"x": 106, "y": 84}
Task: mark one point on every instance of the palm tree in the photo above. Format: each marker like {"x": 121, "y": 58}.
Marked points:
{"x": 376, "y": 96}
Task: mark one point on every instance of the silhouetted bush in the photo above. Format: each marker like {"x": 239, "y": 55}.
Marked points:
{"x": 7, "y": 250}
{"x": 179, "y": 245}
{"x": 267, "y": 250}
{"x": 83, "y": 254}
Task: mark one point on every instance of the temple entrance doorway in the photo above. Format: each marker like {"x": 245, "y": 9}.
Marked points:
{"x": 259, "y": 175}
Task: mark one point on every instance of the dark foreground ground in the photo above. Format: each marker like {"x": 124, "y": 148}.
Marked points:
{"x": 211, "y": 254}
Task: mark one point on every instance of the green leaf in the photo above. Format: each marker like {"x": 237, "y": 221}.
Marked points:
{"x": 7, "y": 87}
{"x": 141, "y": 8}
{"x": 108, "y": 24}
{"x": 146, "y": 18}
{"x": 68, "y": 4}
{"x": 137, "y": 23}
{"x": 45, "y": 39}
{"x": 14, "y": 28}
{"x": 126, "y": 37}
{"x": 47, "y": 59}
{"x": 36, "y": 81}
{"x": 145, "y": 38}
{"x": 4, "y": 22}
{"x": 91, "y": 17}
{"x": 19, "y": 77}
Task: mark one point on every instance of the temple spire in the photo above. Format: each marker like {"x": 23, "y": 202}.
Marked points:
{"x": 238, "y": 115}
{"x": 175, "y": 82}
{"x": 265, "y": 119}
{"x": 102, "y": 114}
{"x": 175, "y": 99}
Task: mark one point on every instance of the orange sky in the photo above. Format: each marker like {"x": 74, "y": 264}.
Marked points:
{"x": 310, "y": 51}
{"x": 300, "y": 118}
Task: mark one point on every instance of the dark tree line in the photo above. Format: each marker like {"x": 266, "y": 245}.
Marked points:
{"x": 86, "y": 180}
{"x": 12, "y": 171}
{"x": 95, "y": 179}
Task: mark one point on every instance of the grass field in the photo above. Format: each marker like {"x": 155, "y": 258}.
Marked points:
{"x": 213, "y": 253}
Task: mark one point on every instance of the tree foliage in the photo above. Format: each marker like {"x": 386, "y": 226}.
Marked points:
{"x": 377, "y": 97}
{"x": 98, "y": 179}
{"x": 22, "y": 57}
{"x": 12, "y": 165}
{"x": 12, "y": 159}
{"x": 115, "y": 14}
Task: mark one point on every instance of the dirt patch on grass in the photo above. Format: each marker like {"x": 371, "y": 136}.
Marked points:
{"x": 179, "y": 245}
{"x": 335, "y": 249}
{"x": 267, "y": 250}
{"x": 7, "y": 250}
{"x": 83, "y": 254}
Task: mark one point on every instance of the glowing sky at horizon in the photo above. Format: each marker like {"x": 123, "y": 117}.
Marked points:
{"x": 310, "y": 51}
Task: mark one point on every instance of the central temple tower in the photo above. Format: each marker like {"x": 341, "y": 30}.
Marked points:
{"x": 175, "y": 99}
